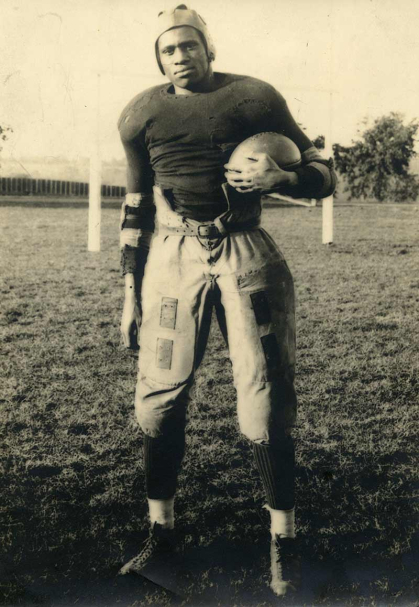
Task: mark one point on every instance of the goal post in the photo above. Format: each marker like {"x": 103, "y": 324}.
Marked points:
{"x": 95, "y": 182}
{"x": 95, "y": 186}
{"x": 327, "y": 220}
{"x": 327, "y": 205}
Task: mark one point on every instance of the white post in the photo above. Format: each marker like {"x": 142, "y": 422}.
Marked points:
{"x": 327, "y": 237}
{"x": 327, "y": 209}
{"x": 95, "y": 182}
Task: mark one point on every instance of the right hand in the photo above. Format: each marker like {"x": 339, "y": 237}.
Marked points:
{"x": 130, "y": 322}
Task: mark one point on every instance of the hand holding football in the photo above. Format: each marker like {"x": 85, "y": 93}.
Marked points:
{"x": 263, "y": 163}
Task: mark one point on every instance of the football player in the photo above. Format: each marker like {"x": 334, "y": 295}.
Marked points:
{"x": 191, "y": 240}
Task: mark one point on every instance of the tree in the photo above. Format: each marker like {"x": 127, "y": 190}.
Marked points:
{"x": 377, "y": 166}
{"x": 319, "y": 142}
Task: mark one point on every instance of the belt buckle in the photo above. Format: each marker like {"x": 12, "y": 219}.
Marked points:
{"x": 208, "y": 231}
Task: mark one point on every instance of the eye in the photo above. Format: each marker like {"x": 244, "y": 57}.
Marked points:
{"x": 190, "y": 46}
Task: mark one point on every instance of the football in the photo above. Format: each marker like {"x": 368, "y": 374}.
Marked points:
{"x": 280, "y": 148}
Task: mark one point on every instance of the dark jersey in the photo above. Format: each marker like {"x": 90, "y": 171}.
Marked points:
{"x": 187, "y": 139}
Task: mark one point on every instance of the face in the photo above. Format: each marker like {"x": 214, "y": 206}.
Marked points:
{"x": 183, "y": 57}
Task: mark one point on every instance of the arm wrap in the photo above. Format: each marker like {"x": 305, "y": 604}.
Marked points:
{"x": 133, "y": 259}
{"x": 136, "y": 230}
{"x": 316, "y": 176}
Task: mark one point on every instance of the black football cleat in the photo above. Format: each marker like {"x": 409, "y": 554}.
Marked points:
{"x": 159, "y": 544}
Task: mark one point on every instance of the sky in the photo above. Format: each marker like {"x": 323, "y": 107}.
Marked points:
{"x": 336, "y": 62}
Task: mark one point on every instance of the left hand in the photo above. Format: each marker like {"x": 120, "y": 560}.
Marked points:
{"x": 260, "y": 174}
{"x": 130, "y": 323}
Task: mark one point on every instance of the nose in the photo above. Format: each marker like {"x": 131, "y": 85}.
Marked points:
{"x": 181, "y": 56}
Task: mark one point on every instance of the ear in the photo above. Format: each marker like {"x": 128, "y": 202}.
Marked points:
{"x": 211, "y": 57}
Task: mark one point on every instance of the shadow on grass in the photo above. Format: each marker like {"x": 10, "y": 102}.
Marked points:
{"x": 228, "y": 574}
{"x": 358, "y": 528}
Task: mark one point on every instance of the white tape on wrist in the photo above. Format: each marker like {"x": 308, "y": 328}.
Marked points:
{"x": 135, "y": 200}
{"x": 136, "y": 238}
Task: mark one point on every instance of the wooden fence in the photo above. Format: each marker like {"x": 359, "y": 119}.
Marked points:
{"x": 20, "y": 186}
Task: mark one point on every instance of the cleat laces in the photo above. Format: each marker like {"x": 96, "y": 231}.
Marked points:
{"x": 158, "y": 542}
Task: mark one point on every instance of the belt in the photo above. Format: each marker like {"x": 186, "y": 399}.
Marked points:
{"x": 209, "y": 230}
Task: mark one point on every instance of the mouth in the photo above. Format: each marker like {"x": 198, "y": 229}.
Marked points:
{"x": 185, "y": 72}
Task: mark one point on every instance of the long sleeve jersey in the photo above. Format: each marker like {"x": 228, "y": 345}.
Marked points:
{"x": 181, "y": 143}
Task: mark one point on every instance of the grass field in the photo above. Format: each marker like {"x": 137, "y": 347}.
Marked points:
{"x": 73, "y": 506}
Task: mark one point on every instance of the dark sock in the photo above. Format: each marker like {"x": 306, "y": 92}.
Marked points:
{"x": 276, "y": 465}
{"x": 162, "y": 459}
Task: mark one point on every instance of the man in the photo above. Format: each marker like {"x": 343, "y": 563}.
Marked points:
{"x": 208, "y": 250}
